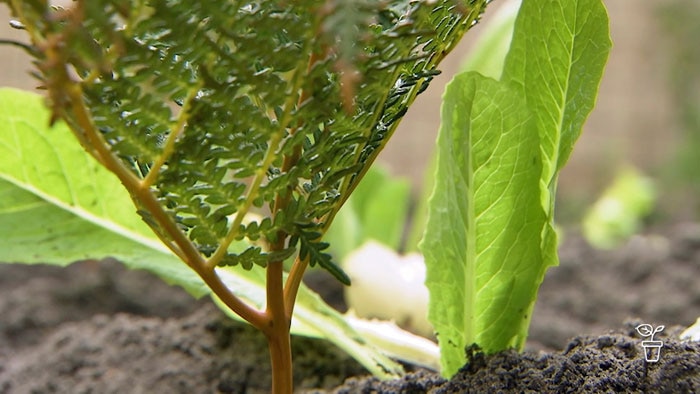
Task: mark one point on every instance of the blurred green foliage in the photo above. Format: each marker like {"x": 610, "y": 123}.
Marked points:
{"x": 680, "y": 20}
{"x": 377, "y": 210}
{"x": 619, "y": 212}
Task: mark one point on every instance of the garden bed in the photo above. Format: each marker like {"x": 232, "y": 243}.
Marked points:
{"x": 95, "y": 327}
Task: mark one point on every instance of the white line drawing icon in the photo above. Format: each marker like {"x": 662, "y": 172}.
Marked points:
{"x": 652, "y": 348}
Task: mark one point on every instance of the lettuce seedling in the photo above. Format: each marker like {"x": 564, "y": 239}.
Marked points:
{"x": 489, "y": 236}
{"x": 208, "y": 113}
{"x": 618, "y": 213}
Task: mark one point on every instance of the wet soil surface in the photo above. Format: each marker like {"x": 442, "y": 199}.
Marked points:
{"x": 97, "y": 328}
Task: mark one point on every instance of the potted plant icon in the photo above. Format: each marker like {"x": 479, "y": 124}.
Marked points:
{"x": 652, "y": 348}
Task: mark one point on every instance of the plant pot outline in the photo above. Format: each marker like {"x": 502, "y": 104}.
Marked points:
{"x": 652, "y": 350}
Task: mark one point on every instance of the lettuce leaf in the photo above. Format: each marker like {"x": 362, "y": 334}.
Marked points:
{"x": 490, "y": 237}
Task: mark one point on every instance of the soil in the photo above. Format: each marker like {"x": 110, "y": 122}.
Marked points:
{"x": 95, "y": 327}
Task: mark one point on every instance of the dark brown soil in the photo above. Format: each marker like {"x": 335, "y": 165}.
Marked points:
{"x": 96, "y": 328}
{"x": 611, "y": 363}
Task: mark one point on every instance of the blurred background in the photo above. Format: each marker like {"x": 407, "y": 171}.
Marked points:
{"x": 647, "y": 115}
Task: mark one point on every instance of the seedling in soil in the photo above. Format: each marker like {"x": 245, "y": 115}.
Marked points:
{"x": 490, "y": 234}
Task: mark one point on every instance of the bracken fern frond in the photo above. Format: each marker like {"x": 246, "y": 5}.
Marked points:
{"x": 224, "y": 108}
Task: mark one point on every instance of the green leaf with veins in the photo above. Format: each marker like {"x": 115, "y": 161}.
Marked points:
{"x": 484, "y": 225}
{"x": 489, "y": 237}
{"x": 557, "y": 57}
{"x": 57, "y": 206}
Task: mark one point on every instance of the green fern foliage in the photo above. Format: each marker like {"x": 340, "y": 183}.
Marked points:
{"x": 231, "y": 107}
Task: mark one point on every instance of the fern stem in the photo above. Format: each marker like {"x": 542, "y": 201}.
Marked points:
{"x": 176, "y": 129}
{"x": 252, "y": 193}
{"x": 261, "y": 171}
{"x": 291, "y": 286}
{"x": 279, "y": 321}
{"x": 95, "y": 139}
{"x": 280, "y": 302}
{"x": 180, "y": 244}
{"x": 279, "y": 344}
